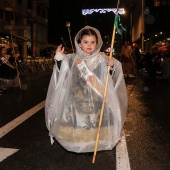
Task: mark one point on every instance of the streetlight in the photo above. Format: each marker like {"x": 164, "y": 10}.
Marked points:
{"x": 142, "y": 25}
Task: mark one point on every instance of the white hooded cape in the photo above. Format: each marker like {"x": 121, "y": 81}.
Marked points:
{"x": 73, "y": 102}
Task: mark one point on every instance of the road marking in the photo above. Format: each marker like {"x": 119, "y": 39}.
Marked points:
{"x": 122, "y": 158}
{"x": 5, "y": 152}
{"x": 17, "y": 121}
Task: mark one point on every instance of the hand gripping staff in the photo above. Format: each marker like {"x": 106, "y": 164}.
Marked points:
{"x": 117, "y": 19}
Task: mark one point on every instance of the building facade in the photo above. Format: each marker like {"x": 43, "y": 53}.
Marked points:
{"x": 24, "y": 23}
{"x": 150, "y": 23}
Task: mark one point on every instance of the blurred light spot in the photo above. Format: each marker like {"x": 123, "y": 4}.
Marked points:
{"x": 146, "y": 89}
{"x": 24, "y": 87}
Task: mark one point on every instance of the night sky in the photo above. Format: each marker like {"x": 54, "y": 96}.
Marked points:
{"x": 69, "y": 11}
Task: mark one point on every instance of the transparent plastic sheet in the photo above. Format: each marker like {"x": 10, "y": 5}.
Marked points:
{"x": 74, "y": 111}
{"x": 74, "y": 102}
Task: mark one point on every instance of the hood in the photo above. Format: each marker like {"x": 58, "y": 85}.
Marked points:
{"x": 99, "y": 45}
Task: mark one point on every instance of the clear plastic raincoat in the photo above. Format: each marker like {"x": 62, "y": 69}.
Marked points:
{"x": 74, "y": 101}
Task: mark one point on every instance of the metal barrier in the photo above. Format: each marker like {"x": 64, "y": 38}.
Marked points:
{"x": 34, "y": 65}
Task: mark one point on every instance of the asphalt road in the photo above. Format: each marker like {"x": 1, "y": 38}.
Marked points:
{"x": 147, "y": 124}
{"x": 146, "y": 129}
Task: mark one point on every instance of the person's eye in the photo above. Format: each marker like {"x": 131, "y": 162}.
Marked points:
{"x": 93, "y": 42}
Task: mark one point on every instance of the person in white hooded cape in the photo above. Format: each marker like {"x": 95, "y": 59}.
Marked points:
{"x": 74, "y": 100}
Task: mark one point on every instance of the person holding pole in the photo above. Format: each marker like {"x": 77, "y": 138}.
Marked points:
{"x": 8, "y": 72}
{"x": 75, "y": 96}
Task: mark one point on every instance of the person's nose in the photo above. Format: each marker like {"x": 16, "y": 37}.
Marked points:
{"x": 89, "y": 44}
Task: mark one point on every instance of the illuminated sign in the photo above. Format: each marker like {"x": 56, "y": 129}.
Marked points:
{"x": 104, "y": 10}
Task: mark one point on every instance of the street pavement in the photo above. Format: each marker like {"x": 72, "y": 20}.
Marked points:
{"x": 147, "y": 124}
{"x": 28, "y": 145}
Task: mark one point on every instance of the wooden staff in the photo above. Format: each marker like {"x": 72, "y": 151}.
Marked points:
{"x": 105, "y": 93}
{"x": 65, "y": 44}
{"x": 68, "y": 26}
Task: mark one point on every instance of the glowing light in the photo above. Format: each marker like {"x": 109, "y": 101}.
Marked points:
{"x": 102, "y": 10}
{"x": 108, "y": 50}
{"x": 134, "y": 44}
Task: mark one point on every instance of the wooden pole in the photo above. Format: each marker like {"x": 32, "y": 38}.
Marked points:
{"x": 65, "y": 44}
{"x": 104, "y": 98}
{"x": 70, "y": 39}
{"x": 105, "y": 90}
{"x": 106, "y": 86}
{"x": 68, "y": 26}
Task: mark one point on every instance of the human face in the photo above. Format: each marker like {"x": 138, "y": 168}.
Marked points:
{"x": 3, "y": 52}
{"x": 88, "y": 44}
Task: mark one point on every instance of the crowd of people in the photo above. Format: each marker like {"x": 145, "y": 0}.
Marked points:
{"x": 154, "y": 63}
{"x": 157, "y": 64}
{"x": 13, "y": 66}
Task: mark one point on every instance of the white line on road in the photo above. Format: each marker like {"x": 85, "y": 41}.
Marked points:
{"x": 122, "y": 158}
{"x": 14, "y": 123}
{"x": 5, "y": 152}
